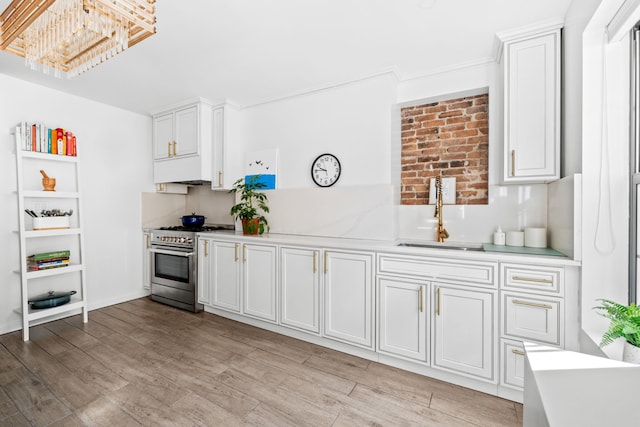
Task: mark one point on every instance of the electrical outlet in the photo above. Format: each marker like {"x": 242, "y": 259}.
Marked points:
{"x": 448, "y": 191}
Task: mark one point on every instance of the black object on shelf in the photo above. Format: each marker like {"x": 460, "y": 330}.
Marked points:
{"x": 51, "y": 299}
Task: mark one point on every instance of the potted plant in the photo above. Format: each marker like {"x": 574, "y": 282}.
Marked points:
{"x": 625, "y": 323}
{"x": 252, "y": 206}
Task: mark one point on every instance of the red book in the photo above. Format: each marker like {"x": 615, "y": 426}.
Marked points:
{"x": 69, "y": 142}
{"x": 73, "y": 147}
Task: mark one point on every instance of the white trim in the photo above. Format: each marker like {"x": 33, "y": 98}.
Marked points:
{"x": 624, "y": 20}
{"x": 536, "y": 29}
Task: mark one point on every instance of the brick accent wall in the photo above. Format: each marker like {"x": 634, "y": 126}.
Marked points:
{"x": 450, "y": 136}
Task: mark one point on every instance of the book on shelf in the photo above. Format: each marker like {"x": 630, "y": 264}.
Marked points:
{"x": 48, "y": 265}
{"x": 40, "y": 138}
{"x": 49, "y": 255}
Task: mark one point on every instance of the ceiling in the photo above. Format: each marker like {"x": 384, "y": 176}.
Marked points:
{"x": 251, "y": 51}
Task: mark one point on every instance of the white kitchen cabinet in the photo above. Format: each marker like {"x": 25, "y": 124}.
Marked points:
{"x": 175, "y": 134}
{"x": 300, "y": 288}
{"x": 531, "y": 66}
{"x": 464, "y": 330}
{"x": 402, "y": 317}
{"x": 146, "y": 261}
{"x": 219, "y": 274}
{"x": 228, "y": 152}
{"x": 182, "y": 142}
{"x": 348, "y": 297}
{"x": 512, "y": 364}
{"x": 259, "y": 279}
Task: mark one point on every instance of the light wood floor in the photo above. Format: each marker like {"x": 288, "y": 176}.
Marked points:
{"x": 143, "y": 363}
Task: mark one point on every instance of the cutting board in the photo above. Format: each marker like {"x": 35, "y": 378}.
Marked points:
{"x": 490, "y": 247}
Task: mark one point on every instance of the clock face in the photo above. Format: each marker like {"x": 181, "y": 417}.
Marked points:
{"x": 325, "y": 170}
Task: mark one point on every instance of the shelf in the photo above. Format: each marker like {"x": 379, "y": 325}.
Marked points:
{"x": 51, "y": 194}
{"x": 74, "y": 304}
{"x": 49, "y": 233}
{"x": 53, "y": 271}
{"x": 27, "y": 164}
{"x": 47, "y": 156}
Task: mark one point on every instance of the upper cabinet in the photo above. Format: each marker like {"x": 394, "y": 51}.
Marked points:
{"x": 191, "y": 144}
{"x": 531, "y": 66}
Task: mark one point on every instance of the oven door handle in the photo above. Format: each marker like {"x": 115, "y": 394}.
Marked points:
{"x": 166, "y": 252}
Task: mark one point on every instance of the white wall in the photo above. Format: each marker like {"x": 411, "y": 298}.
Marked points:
{"x": 115, "y": 151}
{"x": 351, "y": 120}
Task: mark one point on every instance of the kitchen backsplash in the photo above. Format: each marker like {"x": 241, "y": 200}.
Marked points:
{"x": 364, "y": 212}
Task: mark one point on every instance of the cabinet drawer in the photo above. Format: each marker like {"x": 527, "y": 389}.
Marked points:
{"x": 512, "y": 364}
{"x": 479, "y": 272}
{"x": 532, "y": 278}
{"x": 532, "y": 317}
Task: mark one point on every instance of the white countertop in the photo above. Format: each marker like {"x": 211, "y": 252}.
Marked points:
{"x": 575, "y": 389}
{"x": 391, "y": 246}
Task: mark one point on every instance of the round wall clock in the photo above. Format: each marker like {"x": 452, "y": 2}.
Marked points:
{"x": 325, "y": 170}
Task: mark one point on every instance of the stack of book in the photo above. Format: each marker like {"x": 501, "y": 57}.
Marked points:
{"x": 38, "y": 137}
{"x": 47, "y": 260}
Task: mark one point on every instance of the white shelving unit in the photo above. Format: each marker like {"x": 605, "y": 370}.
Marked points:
{"x": 30, "y": 196}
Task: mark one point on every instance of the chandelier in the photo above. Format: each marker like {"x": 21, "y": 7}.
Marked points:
{"x": 73, "y": 36}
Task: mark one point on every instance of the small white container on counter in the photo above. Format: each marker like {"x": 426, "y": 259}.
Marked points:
{"x": 535, "y": 237}
{"x": 515, "y": 238}
{"x": 499, "y": 237}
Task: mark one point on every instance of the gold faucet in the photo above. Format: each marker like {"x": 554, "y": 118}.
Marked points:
{"x": 441, "y": 233}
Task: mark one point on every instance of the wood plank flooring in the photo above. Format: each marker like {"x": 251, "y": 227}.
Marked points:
{"x": 144, "y": 363}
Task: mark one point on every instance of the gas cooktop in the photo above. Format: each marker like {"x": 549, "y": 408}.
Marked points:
{"x": 198, "y": 229}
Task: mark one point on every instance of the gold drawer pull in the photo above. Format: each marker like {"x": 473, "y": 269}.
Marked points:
{"x": 174, "y": 149}
{"x": 235, "y": 258}
{"x": 315, "y": 261}
{"x": 438, "y": 307}
{"x": 531, "y": 279}
{"x": 244, "y": 253}
{"x": 326, "y": 264}
{"x": 533, "y": 304}
{"x": 421, "y": 297}
{"x": 513, "y": 162}
{"x": 206, "y": 242}
{"x": 219, "y": 178}
{"x": 518, "y": 352}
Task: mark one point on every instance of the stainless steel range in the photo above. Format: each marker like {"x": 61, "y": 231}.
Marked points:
{"x": 174, "y": 268}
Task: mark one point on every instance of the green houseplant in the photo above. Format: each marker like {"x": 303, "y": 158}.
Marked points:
{"x": 624, "y": 323}
{"x": 252, "y": 205}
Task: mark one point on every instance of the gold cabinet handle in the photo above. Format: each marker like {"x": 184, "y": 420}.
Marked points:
{"x": 174, "y": 149}
{"x": 206, "y": 242}
{"x": 326, "y": 267}
{"x": 438, "y": 306}
{"x": 235, "y": 254}
{"x": 315, "y": 261}
{"x": 147, "y": 244}
{"x": 513, "y": 162}
{"x": 169, "y": 149}
{"x": 244, "y": 253}
{"x": 518, "y": 352}
{"x": 533, "y": 304}
{"x": 219, "y": 178}
{"x": 531, "y": 279}
{"x": 420, "y": 297}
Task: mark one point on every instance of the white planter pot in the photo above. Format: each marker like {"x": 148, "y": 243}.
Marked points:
{"x": 631, "y": 353}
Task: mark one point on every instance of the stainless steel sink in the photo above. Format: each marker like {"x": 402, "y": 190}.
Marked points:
{"x": 445, "y": 245}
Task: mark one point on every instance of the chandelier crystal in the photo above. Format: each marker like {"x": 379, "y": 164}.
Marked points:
{"x": 73, "y": 36}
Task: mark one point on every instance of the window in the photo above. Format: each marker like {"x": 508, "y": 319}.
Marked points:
{"x": 634, "y": 223}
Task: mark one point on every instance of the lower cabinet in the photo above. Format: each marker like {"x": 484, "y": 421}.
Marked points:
{"x": 300, "y": 288}
{"x": 402, "y": 317}
{"x": 348, "y": 297}
{"x": 146, "y": 260}
{"x": 464, "y": 334}
{"x": 219, "y": 274}
{"x": 259, "y": 281}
